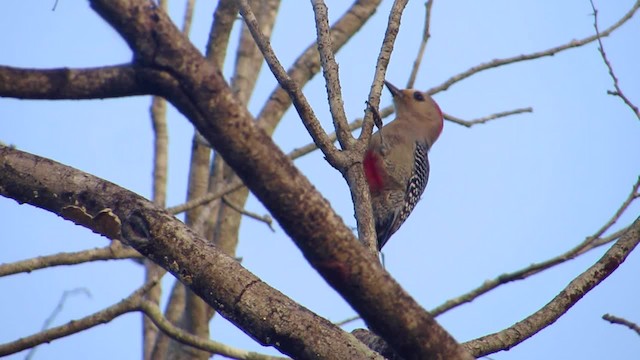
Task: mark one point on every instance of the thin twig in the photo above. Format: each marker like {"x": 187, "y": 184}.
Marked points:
{"x": 549, "y": 52}
{"x": 205, "y": 199}
{"x": 56, "y": 311}
{"x": 68, "y": 258}
{"x": 423, "y": 44}
{"x": 484, "y": 119}
{"x": 348, "y": 320}
{"x": 300, "y": 102}
{"x": 621, "y": 321}
{"x": 618, "y": 92}
{"x": 127, "y": 305}
{"x": 634, "y": 194}
{"x": 262, "y": 218}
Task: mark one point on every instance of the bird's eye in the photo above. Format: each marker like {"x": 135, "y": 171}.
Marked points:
{"x": 418, "y": 96}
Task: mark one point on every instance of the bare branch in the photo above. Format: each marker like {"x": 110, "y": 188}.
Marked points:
{"x": 484, "y": 119}
{"x": 634, "y": 194}
{"x": 549, "y": 52}
{"x": 73, "y": 258}
{"x": 262, "y": 218}
{"x": 620, "y": 321}
{"x": 64, "y": 83}
{"x": 423, "y": 44}
{"x": 331, "y": 74}
{"x": 128, "y": 304}
{"x": 300, "y": 102}
{"x": 152, "y": 311}
{"x": 56, "y": 311}
{"x": 594, "y": 241}
{"x": 568, "y": 297}
{"x": 205, "y": 199}
{"x": 220, "y": 280}
{"x": 308, "y": 63}
{"x": 618, "y": 92}
{"x": 223, "y": 19}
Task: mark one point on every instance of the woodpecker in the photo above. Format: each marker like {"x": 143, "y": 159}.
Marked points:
{"x": 396, "y": 164}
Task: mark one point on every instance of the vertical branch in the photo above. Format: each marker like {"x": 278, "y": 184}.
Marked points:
{"x": 330, "y": 71}
{"x": 157, "y": 345}
{"x": 223, "y": 19}
{"x": 423, "y": 45}
{"x": 355, "y": 175}
{"x": 159, "y": 196}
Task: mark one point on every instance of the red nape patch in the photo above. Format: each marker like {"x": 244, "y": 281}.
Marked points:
{"x": 441, "y": 116}
{"x": 372, "y": 171}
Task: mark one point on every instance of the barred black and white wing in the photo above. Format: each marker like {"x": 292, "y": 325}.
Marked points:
{"x": 415, "y": 187}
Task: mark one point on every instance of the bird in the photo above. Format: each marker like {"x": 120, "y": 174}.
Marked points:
{"x": 396, "y": 163}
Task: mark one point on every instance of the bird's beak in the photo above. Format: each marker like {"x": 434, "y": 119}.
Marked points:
{"x": 392, "y": 89}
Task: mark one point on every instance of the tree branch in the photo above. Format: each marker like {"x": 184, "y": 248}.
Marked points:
{"x": 73, "y": 258}
{"x": 331, "y": 74}
{"x": 65, "y": 83}
{"x": 484, "y": 119}
{"x": 307, "y": 115}
{"x": 269, "y": 316}
{"x": 620, "y": 321}
{"x": 618, "y": 92}
{"x": 128, "y": 304}
{"x": 536, "y": 55}
{"x": 423, "y": 44}
{"x": 569, "y": 296}
{"x": 591, "y": 242}
{"x": 308, "y": 64}
{"x": 152, "y": 311}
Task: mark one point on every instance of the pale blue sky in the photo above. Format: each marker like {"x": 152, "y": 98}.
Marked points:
{"x": 501, "y": 195}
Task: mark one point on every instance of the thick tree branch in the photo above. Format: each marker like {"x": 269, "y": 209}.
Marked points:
{"x": 326, "y": 242}
{"x": 64, "y": 83}
{"x": 269, "y": 316}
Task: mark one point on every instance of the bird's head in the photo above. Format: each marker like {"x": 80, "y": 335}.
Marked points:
{"x": 416, "y": 106}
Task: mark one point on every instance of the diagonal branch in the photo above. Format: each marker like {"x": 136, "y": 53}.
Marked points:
{"x": 127, "y": 305}
{"x": 307, "y": 115}
{"x": 594, "y": 241}
{"x": 238, "y": 295}
{"x": 535, "y": 55}
{"x": 620, "y": 321}
{"x": 568, "y": 297}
